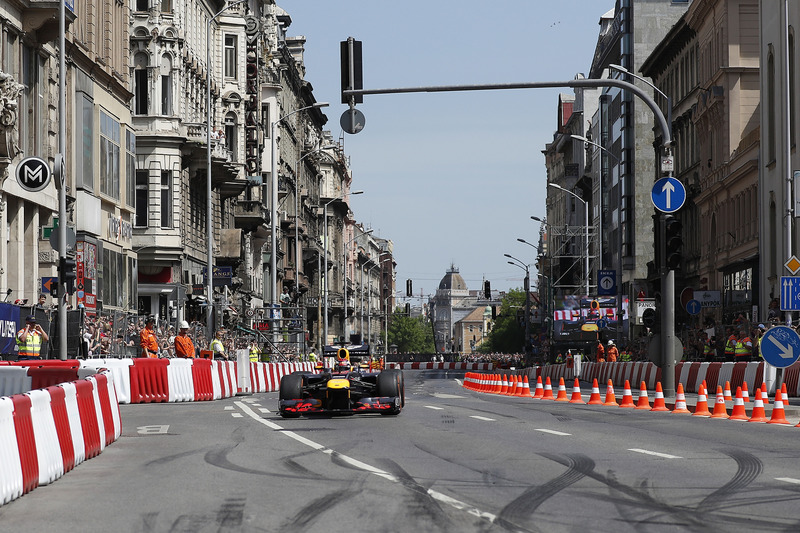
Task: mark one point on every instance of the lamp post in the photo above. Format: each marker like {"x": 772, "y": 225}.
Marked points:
{"x": 369, "y": 301}
{"x": 527, "y": 320}
{"x": 344, "y": 278}
{"x": 273, "y": 211}
{"x": 586, "y": 214}
{"x": 622, "y": 69}
{"x": 210, "y": 203}
{"x": 325, "y": 253}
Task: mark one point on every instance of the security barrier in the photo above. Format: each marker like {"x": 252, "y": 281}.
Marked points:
{"x": 149, "y": 381}
{"x": 180, "y": 381}
{"x": 201, "y": 378}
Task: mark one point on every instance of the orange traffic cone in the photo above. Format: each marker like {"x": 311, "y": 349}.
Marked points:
{"x": 512, "y": 386}
{"x": 525, "y": 390}
{"x": 562, "y": 391}
{"x": 658, "y": 403}
{"x": 726, "y": 392}
{"x": 738, "y": 412}
{"x": 644, "y": 401}
{"x": 778, "y": 413}
{"x": 720, "y": 411}
{"x": 611, "y": 400}
{"x": 764, "y": 395}
{"x": 680, "y": 400}
{"x": 627, "y": 396}
{"x": 759, "y": 415}
{"x": 745, "y": 392}
{"x": 498, "y": 384}
{"x": 539, "y": 392}
{"x": 784, "y": 395}
{"x": 576, "y": 393}
{"x": 701, "y": 409}
{"x": 504, "y": 385}
{"x": 548, "y": 390}
{"x": 595, "y": 399}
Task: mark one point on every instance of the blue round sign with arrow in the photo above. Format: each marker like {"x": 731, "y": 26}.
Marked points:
{"x": 668, "y": 195}
{"x": 780, "y": 346}
{"x": 693, "y": 307}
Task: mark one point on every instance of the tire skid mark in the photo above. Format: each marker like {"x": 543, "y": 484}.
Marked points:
{"x": 522, "y": 509}
{"x": 316, "y": 509}
{"x": 426, "y": 503}
{"x": 640, "y": 498}
{"x": 749, "y": 468}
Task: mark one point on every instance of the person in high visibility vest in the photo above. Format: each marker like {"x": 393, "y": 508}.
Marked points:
{"x": 759, "y": 336}
{"x": 612, "y": 353}
{"x": 708, "y": 348}
{"x": 148, "y": 340}
{"x": 184, "y": 347}
{"x": 600, "y": 354}
{"x": 312, "y": 356}
{"x": 29, "y": 340}
{"x": 730, "y": 346}
{"x": 255, "y": 352}
{"x": 744, "y": 347}
{"x": 217, "y": 347}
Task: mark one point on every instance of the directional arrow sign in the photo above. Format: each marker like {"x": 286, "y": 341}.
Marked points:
{"x": 606, "y": 282}
{"x": 780, "y": 346}
{"x": 668, "y": 195}
{"x": 790, "y": 293}
{"x": 694, "y": 307}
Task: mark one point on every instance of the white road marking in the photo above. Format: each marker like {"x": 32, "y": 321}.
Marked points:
{"x": 436, "y": 495}
{"x": 789, "y": 480}
{"x": 476, "y": 417}
{"x": 229, "y": 408}
{"x": 237, "y": 415}
{"x": 434, "y": 407}
{"x": 657, "y": 454}
{"x": 554, "y": 432}
{"x": 446, "y": 396}
{"x": 264, "y": 410}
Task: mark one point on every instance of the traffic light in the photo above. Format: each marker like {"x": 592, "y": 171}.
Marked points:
{"x": 352, "y": 72}
{"x": 487, "y": 290}
{"x": 408, "y": 309}
{"x": 66, "y": 273}
{"x": 409, "y": 288}
{"x": 673, "y": 242}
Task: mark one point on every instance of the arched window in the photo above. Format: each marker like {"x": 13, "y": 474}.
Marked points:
{"x": 140, "y": 63}
{"x": 230, "y": 134}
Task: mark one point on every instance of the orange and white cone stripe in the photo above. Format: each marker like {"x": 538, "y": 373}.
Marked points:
{"x": 680, "y": 400}
{"x": 738, "y": 412}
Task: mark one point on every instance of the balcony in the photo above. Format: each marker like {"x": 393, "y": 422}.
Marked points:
{"x": 250, "y": 214}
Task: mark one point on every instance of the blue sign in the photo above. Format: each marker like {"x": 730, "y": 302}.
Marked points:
{"x": 780, "y": 346}
{"x": 606, "y": 282}
{"x": 10, "y": 323}
{"x": 668, "y": 195}
{"x": 790, "y": 293}
{"x": 693, "y": 307}
{"x": 602, "y": 323}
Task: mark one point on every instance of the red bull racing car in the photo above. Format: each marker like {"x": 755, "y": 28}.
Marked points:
{"x": 344, "y": 389}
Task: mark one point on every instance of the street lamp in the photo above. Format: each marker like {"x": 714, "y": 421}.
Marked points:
{"x": 586, "y": 214}
{"x": 344, "y": 278}
{"x": 325, "y": 253}
{"x": 518, "y": 263}
{"x": 273, "y": 211}
{"x": 523, "y": 241}
{"x": 210, "y": 206}
{"x": 622, "y": 69}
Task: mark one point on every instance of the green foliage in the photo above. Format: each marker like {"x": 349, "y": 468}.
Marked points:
{"x": 411, "y": 334}
{"x": 507, "y": 335}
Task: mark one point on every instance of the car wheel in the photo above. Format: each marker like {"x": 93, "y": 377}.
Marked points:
{"x": 390, "y": 383}
{"x": 291, "y": 387}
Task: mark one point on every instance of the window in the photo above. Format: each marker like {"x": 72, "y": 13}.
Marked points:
{"x": 230, "y": 135}
{"x": 231, "y": 44}
{"x": 130, "y": 168}
{"x": 114, "y": 279}
{"x": 140, "y": 63}
{"x": 166, "y": 198}
{"x": 84, "y": 126}
{"x": 166, "y": 85}
{"x": 109, "y": 155}
{"x": 166, "y": 6}
{"x": 142, "y": 177}
{"x": 142, "y": 5}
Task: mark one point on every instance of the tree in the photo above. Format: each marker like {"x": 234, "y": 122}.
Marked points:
{"x": 508, "y": 331}
{"x": 410, "y": 334}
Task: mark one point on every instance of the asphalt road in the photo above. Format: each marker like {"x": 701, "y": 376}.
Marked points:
{"x": 453, "y": 461}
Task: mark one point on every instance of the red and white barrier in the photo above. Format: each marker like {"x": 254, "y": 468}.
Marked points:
{"x": 46, "y": 432}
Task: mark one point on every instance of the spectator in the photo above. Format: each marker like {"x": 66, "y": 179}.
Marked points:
{"x": 30, "y": 338}
{"x": 217, "y": 347}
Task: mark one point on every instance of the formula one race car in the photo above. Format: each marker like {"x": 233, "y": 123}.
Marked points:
{"x": 342, "y": 390}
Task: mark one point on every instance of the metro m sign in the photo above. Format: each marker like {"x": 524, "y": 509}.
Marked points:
{"x": 33, "y": 174}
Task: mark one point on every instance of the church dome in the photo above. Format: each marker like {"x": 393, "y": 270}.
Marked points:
{"x": 452, "y": 281}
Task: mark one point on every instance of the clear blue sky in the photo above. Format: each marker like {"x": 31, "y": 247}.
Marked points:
{"x": 450, "y": 178}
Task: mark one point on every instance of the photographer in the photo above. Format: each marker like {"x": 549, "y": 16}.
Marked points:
{"x": 30, "y": 338}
